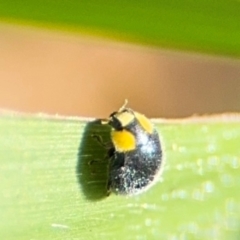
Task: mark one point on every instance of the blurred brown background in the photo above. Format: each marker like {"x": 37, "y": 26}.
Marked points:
{"x": 48, "y": 72}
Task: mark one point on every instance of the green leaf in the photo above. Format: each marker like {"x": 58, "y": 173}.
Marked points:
{"x": 49, "y": 191}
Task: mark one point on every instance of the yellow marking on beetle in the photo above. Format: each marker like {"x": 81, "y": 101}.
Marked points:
{"x": 123, "y": 141}
{"x": 144, "y": 122}
{"x": 125, "y": 118}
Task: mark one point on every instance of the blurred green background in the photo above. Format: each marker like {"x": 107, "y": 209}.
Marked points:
{"x": 207, "y": 25}
{"x": 168, "y": 58}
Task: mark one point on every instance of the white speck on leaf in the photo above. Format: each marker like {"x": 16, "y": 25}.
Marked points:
{"x": 57, "y": 225}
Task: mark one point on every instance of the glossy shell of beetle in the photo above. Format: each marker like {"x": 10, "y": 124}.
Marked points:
{"x": 136, "y": 156}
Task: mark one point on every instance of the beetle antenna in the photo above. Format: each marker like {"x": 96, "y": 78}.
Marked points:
{"x": 123, "y": 106}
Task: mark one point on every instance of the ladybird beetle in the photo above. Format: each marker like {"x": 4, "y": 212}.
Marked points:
{"x": 136, "y": 152}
